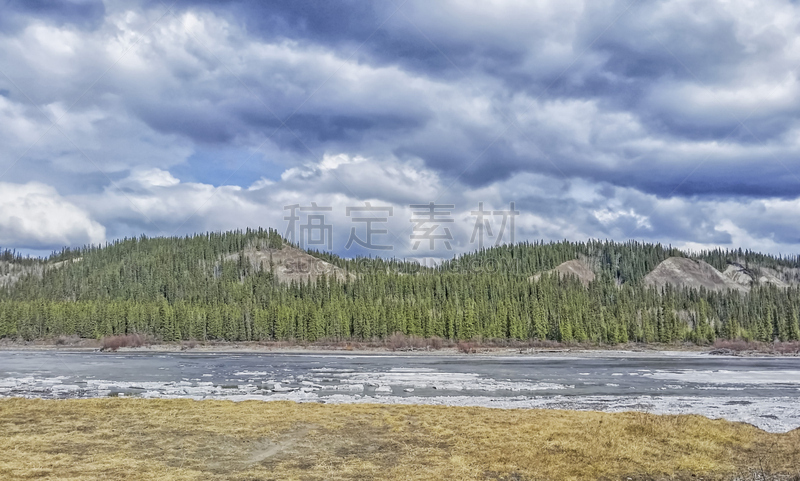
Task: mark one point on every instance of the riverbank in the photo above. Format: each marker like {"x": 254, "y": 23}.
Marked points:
{"x": 221, "y": 440}
{"x": 406, "y": 345}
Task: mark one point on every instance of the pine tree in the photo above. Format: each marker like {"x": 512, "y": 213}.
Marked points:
{"x": 794, "y": 326}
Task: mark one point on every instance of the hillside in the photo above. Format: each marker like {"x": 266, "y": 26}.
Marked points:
{"x": 14, "y": 266}
{"x": 683, "y": 272}
{"x": 577, "y": 268}
{"x": 779, "y": 276}
{"x": 290, "y": 264}
{"x": 252, "y": 285}
{"x": 10, "y": 272}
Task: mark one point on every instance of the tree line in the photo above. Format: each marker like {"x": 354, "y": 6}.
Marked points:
{"x": 183, "y": 288}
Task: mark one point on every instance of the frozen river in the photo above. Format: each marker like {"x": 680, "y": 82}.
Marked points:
{"x": 761, "y": 391}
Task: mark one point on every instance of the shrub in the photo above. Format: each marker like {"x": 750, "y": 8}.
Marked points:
{"x": 400, "y": 342}
{"x": 112, "y": 343}
{"x": 397, "y": 341}
{"x": 544, "y": 344}
{"x": 788, "y": 347}
{"x": 416, "y": 342}
{"x": 737, "y": 345}
{"x": 67, "y": 340}
{"x": 466, "y": 347}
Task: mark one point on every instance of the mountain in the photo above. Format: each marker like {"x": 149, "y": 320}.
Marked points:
{"x": 253, "y": 285}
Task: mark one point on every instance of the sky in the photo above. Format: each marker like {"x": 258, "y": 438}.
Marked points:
{"x": 662, "y": 121}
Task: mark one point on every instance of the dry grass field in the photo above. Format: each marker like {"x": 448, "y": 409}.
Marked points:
{"x": 122, "y": 439}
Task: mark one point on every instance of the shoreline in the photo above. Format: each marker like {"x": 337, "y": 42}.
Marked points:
{"x": 666, "y": 382}
{"x": 494, "y": 351}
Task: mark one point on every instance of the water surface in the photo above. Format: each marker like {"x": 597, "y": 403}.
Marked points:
{"x": 762, "y": 391}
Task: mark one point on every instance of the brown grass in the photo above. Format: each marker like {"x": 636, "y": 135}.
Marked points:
{"x": 125, "y": 439}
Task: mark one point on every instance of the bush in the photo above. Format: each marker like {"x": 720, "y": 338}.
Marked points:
{"x": 397, "y": 341}
{"x": 466, "y": 347}
{"x": 112, "y": 343}
{"x": 67, "y": 340}
{"x": 788, "y": 347}
{"x": 737, "y": 345}
{"x": 544, "y": 344}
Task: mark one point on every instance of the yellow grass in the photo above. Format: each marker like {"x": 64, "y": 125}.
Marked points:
{"x": 122, "y": 439}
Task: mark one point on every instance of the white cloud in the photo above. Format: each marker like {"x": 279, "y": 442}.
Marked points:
{"x": 34, "y": 216}
{"x": 152, "y": 178}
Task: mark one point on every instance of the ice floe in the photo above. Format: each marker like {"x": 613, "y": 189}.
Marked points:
{"x": 769, "y": 399}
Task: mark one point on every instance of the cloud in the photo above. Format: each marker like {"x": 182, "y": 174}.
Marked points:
{"x": 157, "y": 203}
{"x": 35, "y": 216}
{"x": 676, "y": 121}
{"x": 81, "y": 13}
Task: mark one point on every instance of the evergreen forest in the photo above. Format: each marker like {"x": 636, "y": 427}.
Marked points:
{"x": 196, "y": 287}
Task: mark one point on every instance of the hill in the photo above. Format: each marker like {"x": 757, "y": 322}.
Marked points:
{"x": 252, "y": 285}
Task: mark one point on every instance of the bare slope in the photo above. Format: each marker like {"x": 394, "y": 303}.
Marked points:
{"x": 575, "y": 267}
{"x": 781, "y": 276}
{"x": 292, "y": 264}
{"x": 11, "y": 272}
{"x": 685, "y": 272}
{"x": 739, "y": 275}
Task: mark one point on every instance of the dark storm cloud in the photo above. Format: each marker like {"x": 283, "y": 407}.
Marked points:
{"x": 382, "y": 32}
{"x": 653, "y": 40}
{"x": 194, "y": 123}
{"x": 349, "y": 128}
{"x": 315, "y": 21}
{"x": 82, "y": 13}
{"x": 643, "y": 61}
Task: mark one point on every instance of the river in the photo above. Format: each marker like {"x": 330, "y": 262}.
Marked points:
{"x": 762, "y": 391}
